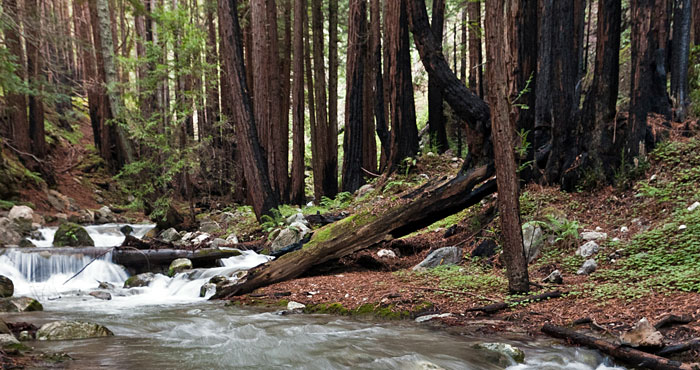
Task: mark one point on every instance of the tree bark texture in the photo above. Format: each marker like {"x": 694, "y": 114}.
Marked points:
{"x": 404, "y": 132}
{"x": 502, "y": 131}
{"x": 436, "y": 114}
{"x": 254, "y": 166}
{"x": 354, "y": 104}
{"x": 35, "y": 76}
{"x": 298, "y": 114}
{"x": 476, "y": 75}
{"x": 325, "y": 158}
{"x": 17, "y": 102}
{"x": 680, "y": 58}
{"x": 380, "y": 104}
{"x": 333, "y": 87}
{"x": 648, "y": 77}
{"x": 599, "y": 109}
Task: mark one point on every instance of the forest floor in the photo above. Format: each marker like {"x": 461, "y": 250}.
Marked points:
{"x": 648, "y": 265}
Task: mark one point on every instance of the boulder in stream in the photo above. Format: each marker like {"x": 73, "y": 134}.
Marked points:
{"x": 7, "y": 340}
{"x": 23, "y": 216}
{"x": 7, "y": 288}
{"x": 72, "y": 235}
{"x": 20, "y": 304}
{"x": 179, "y": 265}
{"x": 64, "y": 330}
{"x": 502, "y": 354}
{"x": 101, "y": 295}
{"x": 4, "y": 329}
{"x": 8, "y": 232}
{"x": 139, "y": 280}
{"x": 287, "y": 236}
{"x": 170, "y": 235}
{"x": 104, "y": 215}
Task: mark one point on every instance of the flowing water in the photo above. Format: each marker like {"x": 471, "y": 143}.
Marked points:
{"x": 168, "y": 326}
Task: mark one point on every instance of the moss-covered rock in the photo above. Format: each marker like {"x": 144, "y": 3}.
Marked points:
{"x": 64, "y": 330}
{"x": 7, "y": 340}
{"x": 7, "y": 288}
{"x": 139, "y": 280}
{"x": 179, "y": 265}
{"x": 20, "y": 304}
{"x": 502, "y": 354}
{"x": 72, "y": 235}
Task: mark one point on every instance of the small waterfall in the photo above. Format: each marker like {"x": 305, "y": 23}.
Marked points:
{"x": 106, "y": 235}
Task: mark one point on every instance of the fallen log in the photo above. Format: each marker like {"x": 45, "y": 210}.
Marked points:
{"x": 673, "y": 320}
{"x": 139, "y": 261}
{"x": 365, "y": 229}
{"x": 489, "y": 309}
{"x": 680, "y": 347}
{"x": 628, "y": 355}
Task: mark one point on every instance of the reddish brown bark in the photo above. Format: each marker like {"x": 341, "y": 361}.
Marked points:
{"x": 17, "y": 102}
{"x": 475, "y": 54}
{"x": 297, "y": 186}
{"x": 35, "y": 76}
{"x": 436, "y": 114}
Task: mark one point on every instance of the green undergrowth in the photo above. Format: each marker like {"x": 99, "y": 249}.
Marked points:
{"x": 679, "y": 174}
{"x": 473, "y": 277}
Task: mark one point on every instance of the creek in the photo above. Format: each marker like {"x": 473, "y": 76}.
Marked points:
{"x": 167, "y": 324}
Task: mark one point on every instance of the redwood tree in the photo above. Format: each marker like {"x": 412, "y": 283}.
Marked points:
{"x": 17, "y": 102}
{"x": 297, "y": 185}
{"x": 680, "y": 58}
{"x": 502, "y": 130}
{"x": 261, "y": 195}
{"x": 35, "y": 76}
{"x": 436, "y": 114}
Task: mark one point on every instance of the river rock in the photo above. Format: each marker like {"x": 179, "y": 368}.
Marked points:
{"x": 23, "y": 216}
{"x": 206, "y": 289}
{"x": 65, "y": 330}
{"x": 425, "y": 318}
{"x": 72, "y": 235}
{"x": 302, "y": 227}
{"x": 104, "y": 215}
{"x": 101, "y": 295}
{"x": 386, "y": 253}
{"x": 293, "y": 306}
{"x": 588, "y": 249}
{"x": 593, "y": 235}
{"x": 20, "y": 304}
{"x": 170, "y": 235}
{"x": 232, "y": 239}
{"x": 285, "y": 237}
{"x": 26, "y": 243}
{"x": 693, "y": 206}
{"x": 588, "y": 267}
{"x": 7, "y": 288}
{"x": 9, "y": 235}
{"x": 502, "y": 354}
{"x": 179, "y": 265}
{"x": 218, "y": 242}
{"x": 126, "y": 230}
{"x": 442, "y": 256}
{"x": 4, "y": 329}
{"x": 25, "y": 336}
{"x": 58, "y": 201}
{"x": 85, "y": 216}
{"x": 643, "y": 335}
{"x": 209, "y": 227}
{"x": 554, "y": 278}
{"x": 533, "y": 239}
{"x": 139, "y": 280}
{"x": 297, "y": 217}
{"x": 7, "y": 340}
{"x": 364, "y": 190}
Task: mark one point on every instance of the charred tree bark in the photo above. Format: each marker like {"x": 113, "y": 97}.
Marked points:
{"x": 298, "y": 116}
{"x": 254, "y": 166}
{"x": 354, "y": 107}
{"x": 680, "y": 58}
{"x": 502, "y": 131}
{"x": 380, "y": 104}
{"x": 404, "y": 133}
{"x": 648, "y": 77}
{"x": 469, "y": 107}
{"x": 436, "y": 114}
{"x": 334, "y": 240}
{"x": 599, "y": 109}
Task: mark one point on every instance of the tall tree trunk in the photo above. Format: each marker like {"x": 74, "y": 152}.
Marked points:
{"x": 463, "y": 44}
{"x": 369, "y": 142}
{"x": 525, "y": 62}
{"x": 325, "y": 159}
{"x": 696, "y": 23}
{"x": 17, "y": 102}
{"x": 298, "y": 116}
{"x": 648, "y": 77}
{"x": 111, "y": 77}
{"x": 502, "y": 131}
{"x": 380, "y": 105}
{"x": 680, "y": 58}
{"x": 311, "y": 101}
{"x": 354, "y": 109}
{"x": 285, "y": 87}
{"x": 475, "y": 54}
{"x": 599, "y": 108}
{"x": 262, "y": 197}
{"x": 404, "y": 133}
{"x": 212, "y": 85}
{"x": 35, "y": 76}
{"x": 436, "y": 114}
{"x": 333, "y": 89}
